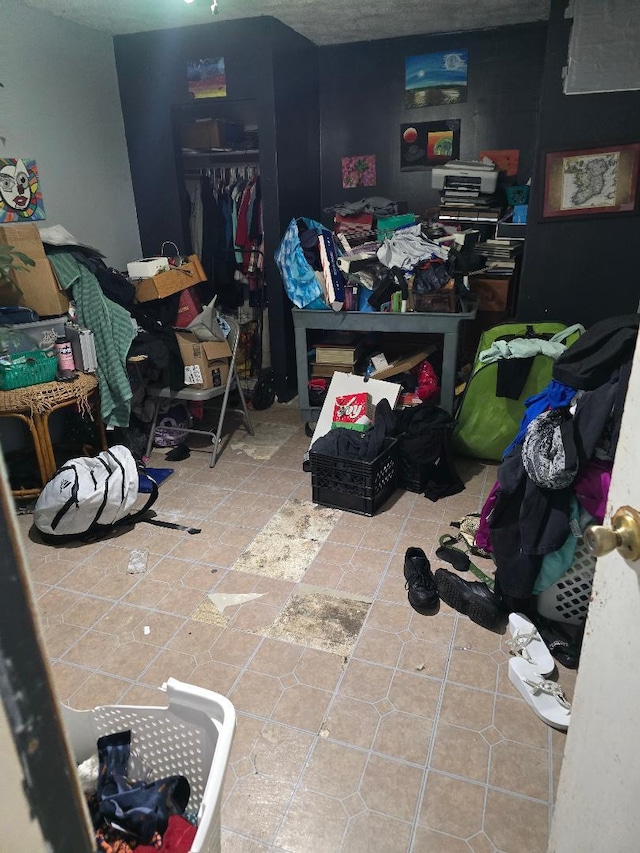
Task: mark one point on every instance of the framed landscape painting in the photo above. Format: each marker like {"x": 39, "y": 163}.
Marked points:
{"x": 591, "y": 181}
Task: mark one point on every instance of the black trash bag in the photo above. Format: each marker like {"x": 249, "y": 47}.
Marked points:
{"x": 264, "y": 393}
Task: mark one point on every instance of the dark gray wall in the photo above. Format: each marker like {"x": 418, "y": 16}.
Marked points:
{"x": 582, "y": 269}
{"x": 362, "y": 106}
{"x": 153, "y": 88}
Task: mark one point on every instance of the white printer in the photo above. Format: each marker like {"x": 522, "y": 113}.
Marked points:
{"x": 465, "y": 175}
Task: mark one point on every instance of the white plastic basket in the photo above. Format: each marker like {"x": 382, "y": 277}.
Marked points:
{"x": 567, "y": 600}
{"x": 192, "y": 737}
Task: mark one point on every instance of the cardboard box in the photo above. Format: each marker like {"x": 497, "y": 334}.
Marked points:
{"x": 211, "y": 133}
{"x": 403, "y": 364}
{"x": 40, "y": 290}
{"x": 352, "y": 411}
{"x": 206, "y": 364}
{"x": 170, "y": 281}
{"x": 493, "y": 293}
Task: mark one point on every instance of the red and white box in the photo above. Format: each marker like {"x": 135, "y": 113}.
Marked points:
{"x": 352, "y": 411}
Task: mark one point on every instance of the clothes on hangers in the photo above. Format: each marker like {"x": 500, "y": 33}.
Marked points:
{"x": 229, "y": 200}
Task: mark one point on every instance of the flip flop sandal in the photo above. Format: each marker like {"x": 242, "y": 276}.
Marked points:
{"x": 546, "y": 698}
{"x": 562, "y": 647}
{"x": 459, "y": 559}
{"x": 450, "y": 554}
{"x": 527, "y": 643}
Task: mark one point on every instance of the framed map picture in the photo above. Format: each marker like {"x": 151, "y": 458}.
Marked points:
{"x": 591, "y": 181}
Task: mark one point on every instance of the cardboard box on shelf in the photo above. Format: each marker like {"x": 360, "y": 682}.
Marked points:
{"x": 403, "y": 364}
{"x": 38, "y": 288}
{"x": 206, "y": 363}
{"x": 210, "y": 133}
{"x": 170, "y": 281}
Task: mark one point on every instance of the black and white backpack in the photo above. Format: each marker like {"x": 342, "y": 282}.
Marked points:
{"x": 90, "y": 496}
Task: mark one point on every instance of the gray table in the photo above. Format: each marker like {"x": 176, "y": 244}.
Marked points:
{"x": 447, "y": 325}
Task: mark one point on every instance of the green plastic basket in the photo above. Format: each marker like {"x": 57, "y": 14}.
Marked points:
{"x": 27, "y": 368}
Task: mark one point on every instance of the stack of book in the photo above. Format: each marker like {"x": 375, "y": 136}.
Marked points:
{"x": 501, "y": 255}
{"x": 470, "y": 211}
{"x": 332, "y": 357}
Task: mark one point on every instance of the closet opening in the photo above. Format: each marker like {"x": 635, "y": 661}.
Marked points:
{"x": 218, "y": 165}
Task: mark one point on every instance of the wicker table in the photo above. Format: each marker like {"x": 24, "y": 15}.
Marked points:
{"x": 33, "y": 406}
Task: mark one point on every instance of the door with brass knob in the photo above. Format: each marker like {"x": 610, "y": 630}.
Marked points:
{"x": 600, "y": 773}
{"x": 623, "y": 535}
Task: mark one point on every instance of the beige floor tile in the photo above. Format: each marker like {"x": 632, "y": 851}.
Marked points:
{"x": 521, "y": 769}
{"x": 87, "y": 612}
{"x": 47, "y": 570}
{"x": 55, "y": 603}
{"x": 473, "y": 637}
{"x": 234, "y": 647}
{"x": 195, "y": 638}
{"x": 314, "y": 822}
{"x": 452, "y": 806}
{"x": 435, "y": 842}
{"x": 473, "y": 669}
{"x": 280, "y": 752}
{"x": 352, "y": 721}
{"x": 425, "y": 657}
{"x": 463, "y": 706}
{"x": 96, "y": 690}
{"x": 302, "y": 706}
{"x": 129, "y": 659}
{"x": 375, "y": 833}
{"x": 256, "y": 808}
{"x": 168, "y": 664}
{"x": 319, "y": 669}
{"x": 389, "y": 617}
{"x": 460, "y": 752}
{"x": 218, "y": 677}
{"x": 276, "y": 658}
{"x": 234, "y": 843}
{"x": 256, "y": 693}
{"x": 434, "y": 629}
{"x": 514, "y": 824}
{"x": 391, "y": 787}
{"x": 142, "y": 695}
{"x": 404, "y": 736}
{"x": 480, "y": 844}
{"x": 515, "y": 720}
{"x": 67, "y": 679}
{"x": 378, "y": 647}
{"x": 334, "y": 769}
{"x": 366, "y": 681}
{"x": 415, "y": 694}
{"x": 115, "y": 586}
{"x": 60, "y": 637}
{"x": 505, "y": 687}
{"x": 92, "y": 649}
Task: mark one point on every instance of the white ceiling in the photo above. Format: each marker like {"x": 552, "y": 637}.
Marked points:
{"x": 321, "y": 21}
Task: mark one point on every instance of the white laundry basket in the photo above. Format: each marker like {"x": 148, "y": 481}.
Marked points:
{"x": 191, "y": 737}
{"x": 567, "y": 600}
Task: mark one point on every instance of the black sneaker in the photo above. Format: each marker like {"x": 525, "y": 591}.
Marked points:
{"x": 473, "y": 598}
{"x": 421, "y": 586}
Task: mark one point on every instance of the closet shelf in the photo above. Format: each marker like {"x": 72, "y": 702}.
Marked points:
{"x": 227, "y": 155}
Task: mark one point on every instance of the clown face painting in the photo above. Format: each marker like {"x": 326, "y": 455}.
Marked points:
{"x": 20, "y": 196}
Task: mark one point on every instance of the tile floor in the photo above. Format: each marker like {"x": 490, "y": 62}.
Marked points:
{"x": 416, "y": 741}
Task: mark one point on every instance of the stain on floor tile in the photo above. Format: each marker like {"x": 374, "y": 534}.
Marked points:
{"x": 290, "y": 541}
{"x": 266, "y": 440}
{"x": 320, "y": 619}
{"x": 208, "y": 612}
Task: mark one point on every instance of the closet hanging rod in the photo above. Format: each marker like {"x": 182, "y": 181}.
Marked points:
{"x": 204, "y": 169}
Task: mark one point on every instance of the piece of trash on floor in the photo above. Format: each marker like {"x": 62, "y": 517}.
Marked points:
{"x": 420, "y": 668}
{"x": 146, "y": 630}
{"x": 324, "y": 732}
{"x": 137, "y": 562}
{"x": 223, "y": 600}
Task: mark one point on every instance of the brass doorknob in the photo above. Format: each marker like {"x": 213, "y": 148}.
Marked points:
{"x": 624, "y": 534}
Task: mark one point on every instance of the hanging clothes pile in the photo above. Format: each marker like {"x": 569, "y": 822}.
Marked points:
{"x": 226, "y": 226}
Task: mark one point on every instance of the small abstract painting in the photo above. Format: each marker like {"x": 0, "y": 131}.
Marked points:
{"x": 359, "y": 171}
{"x": 433, "y": 79}
{"x": 20, "y": 196}
{"x": 506, "y": 160}
{"x": 206, "y": 78}
{"x": 429, "y": 143}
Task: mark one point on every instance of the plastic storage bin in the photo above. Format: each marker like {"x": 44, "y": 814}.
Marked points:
{"x": 356, "y": 486}
{"x": 192, "y": 737}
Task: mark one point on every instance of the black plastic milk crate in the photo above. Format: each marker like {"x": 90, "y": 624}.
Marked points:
{"x": 353, "y": 485}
